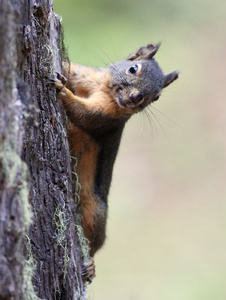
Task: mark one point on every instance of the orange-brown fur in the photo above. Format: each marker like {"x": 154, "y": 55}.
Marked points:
{"x": 86, "y": 153}
{"x": 94, "y": 90}
{"x": 98, "y": 102}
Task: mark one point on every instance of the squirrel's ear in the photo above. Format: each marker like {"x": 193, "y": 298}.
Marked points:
{"x": 146, "y": 52}
{"x": 169, "y": 78}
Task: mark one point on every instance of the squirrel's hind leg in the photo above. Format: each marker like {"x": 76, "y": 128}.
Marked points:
{"x": 88, "y": 270}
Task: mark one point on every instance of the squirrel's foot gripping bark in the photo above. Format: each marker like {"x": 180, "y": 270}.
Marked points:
{"x": 88, "y": 270}
{"x": 60, "y": 82}
{"x": 67, "y": 97}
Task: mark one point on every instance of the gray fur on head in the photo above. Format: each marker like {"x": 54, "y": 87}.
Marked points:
{"x": 138, "y": 80}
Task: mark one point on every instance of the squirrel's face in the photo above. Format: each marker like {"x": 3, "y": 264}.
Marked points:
{"x": 138, "y": 80}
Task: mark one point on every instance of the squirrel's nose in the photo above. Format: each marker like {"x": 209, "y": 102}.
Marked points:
{"x": 136, "y": 97}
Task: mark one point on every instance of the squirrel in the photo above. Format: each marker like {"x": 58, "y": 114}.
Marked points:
{"x": 98, "y": 103}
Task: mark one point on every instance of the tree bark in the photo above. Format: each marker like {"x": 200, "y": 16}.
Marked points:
{"x": 40, "y": 255}
{"x": 14, "y": 211}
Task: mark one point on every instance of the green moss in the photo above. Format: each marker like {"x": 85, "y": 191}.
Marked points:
{"x": 83, "y": 241}
{"x": 28, "y": 272}
{"x": 50, "y": 59}
{"x": 61, "y": 222}
{"x": 77, "y": 186}
{"x": 13, "y": 173}
{"x": 24, "y": 196}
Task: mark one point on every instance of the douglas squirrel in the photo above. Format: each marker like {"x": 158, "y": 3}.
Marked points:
{"x": 98, "y": 102}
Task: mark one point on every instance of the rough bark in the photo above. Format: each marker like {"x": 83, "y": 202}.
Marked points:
{"x": 34, "y": 161}
{"x": 14, "y": 210}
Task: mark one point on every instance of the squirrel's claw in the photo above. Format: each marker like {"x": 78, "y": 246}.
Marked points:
{"x": 88, "y": 270}
{"x": 61, "y": 78}
{"x": 59, "y": 82}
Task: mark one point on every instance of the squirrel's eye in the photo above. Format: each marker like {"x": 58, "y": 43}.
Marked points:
{"x": 133, "y": 69}
{"x": 155, "y": 99}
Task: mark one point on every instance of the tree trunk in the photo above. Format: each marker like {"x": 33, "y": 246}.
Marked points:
{"x": 40, "y": 255}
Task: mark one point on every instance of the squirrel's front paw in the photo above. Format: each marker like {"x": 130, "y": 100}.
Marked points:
{"x": 61, "y": 78}
{"x": 60, "y": 81}
{"x": 88, "y": 270}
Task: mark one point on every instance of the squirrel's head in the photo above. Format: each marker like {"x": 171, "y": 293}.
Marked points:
{"x": 138, "y": 80}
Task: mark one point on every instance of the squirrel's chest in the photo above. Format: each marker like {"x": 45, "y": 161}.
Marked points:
{"x": 89, "y": 81}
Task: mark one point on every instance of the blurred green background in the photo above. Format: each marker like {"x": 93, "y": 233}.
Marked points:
{"x": 167, "y": 205}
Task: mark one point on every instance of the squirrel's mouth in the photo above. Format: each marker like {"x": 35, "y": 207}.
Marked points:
{"x": 120, "y": 101}
{"x": 128, "y": 103}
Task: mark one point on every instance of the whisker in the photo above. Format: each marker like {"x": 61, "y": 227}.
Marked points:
{"x": 120, "y": 77}
{"x": 113, "y": 67}
{"x": 104, "y": 61}
{"x": 110, "y": 61}
{"x": 159, "y": 123}
{"x": 151, "y": 122}
{"x": 142, "y": 121}
{"x": 163, "y": 115}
